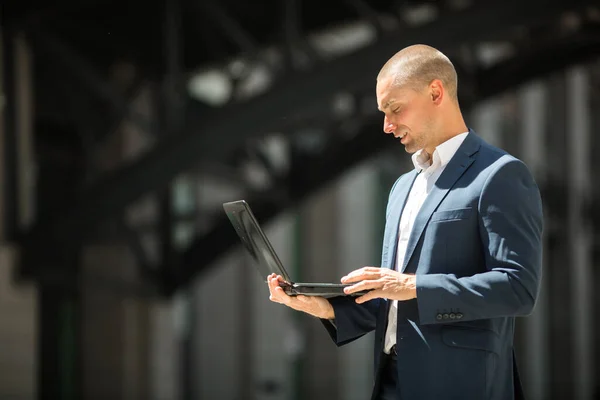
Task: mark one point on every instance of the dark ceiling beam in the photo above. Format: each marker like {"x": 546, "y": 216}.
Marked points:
{"x": 367, "y": 12}
{"x": 542, "y": 59}
{"x": 20, "y": 11}
{"x": 294, "y": 38}
{"x": 219, "y": 136}
{"x": 228, "y": 25}
{"x": 323, "y": 168}
{"x": 55, "y": 50}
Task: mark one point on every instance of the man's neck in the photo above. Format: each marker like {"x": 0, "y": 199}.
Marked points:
{"x": 447, "y": 135}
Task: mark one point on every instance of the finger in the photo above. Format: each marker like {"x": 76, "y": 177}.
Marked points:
{"x": 269, "y": 277}
{"x": 279, "y": 296}
{"x": 353, "y": 274}
{"x": 373, "y": 294}
{"x": 362, "y": 274}
{"x": 272, "y": 292}
{"x": 273, "y": 283}
{"x": 276, "y": 280}
{"x": 276, "y": 291}
{"x": 364, "y": 285}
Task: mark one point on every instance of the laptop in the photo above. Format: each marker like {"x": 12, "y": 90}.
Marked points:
{"x": 258, "y": 246}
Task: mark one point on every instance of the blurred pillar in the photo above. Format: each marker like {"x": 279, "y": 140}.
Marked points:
{"x": 115, "y": 336}
{"x": 358, "y": 221}
{"x": 558, "y": 261}
{"x": 594, "y": 69}
{"x": 3, "y": 110}
{"x": 19, "y": 356}
{"x": 218, "y": 343}
{"x": 164, "y": 368}
{"x": 17, "y": 203}
{"x": 55, "y": 364}
{"x": 24, "y": 118}
{"x": 8, "y": 157}
{"x": 171, "y": 123}
{"x": 487, "y": 121}
{"x": 579, "y": 230}
{"x": 277, "y": 346}
{"x": 59, "y": 175}
{"x": 320, "y": 250}
{"x": 533, "y": 354}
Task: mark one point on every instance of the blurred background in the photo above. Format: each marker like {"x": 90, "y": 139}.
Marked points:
{"x": 126, "y": 124}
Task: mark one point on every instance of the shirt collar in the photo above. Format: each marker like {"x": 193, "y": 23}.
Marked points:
{"x": 442, "y": 154}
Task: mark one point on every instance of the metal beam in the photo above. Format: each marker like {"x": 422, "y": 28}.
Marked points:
{"x": 321, "y": 169}
{"x": 45, "y": 43}
{"x": 540, "y": 60}
{"x": 59, "y": 96}
{"x": 366, "y": 11}
{"x": 293, "y": 38}
{"x": 232, "y": 28}
{"x": 308, "y": 90}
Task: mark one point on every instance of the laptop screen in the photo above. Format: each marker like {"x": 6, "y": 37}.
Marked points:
{"x": 254, "y": 239}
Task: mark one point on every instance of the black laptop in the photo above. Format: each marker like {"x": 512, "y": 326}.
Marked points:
{"x": 256, "y": 243}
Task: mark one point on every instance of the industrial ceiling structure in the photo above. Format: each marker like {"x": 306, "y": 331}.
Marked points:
{"x": 232, "y": 78}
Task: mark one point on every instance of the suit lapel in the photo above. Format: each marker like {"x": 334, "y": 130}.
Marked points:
{"x": 454, "y": 170}
{"x": 396, "y": 208}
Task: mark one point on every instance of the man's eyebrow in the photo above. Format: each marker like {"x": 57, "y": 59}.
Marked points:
{"x": 387, "y": 104}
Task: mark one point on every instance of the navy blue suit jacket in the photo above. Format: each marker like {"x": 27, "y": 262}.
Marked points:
{"x": 476, "y": 250}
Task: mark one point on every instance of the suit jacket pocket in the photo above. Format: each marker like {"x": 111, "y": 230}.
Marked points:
{"x": 471, "y": 353}
{"x": 471, "y": 338}
{"x": 450, "y": 215}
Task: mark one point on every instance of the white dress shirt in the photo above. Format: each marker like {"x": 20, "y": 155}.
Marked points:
{"x": 429, "y": 172}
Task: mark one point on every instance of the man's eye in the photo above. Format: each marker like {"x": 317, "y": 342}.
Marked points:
{"x": 397, "y": 110}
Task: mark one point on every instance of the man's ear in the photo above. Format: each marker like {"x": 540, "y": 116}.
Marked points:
{"x": 436, "y": 91}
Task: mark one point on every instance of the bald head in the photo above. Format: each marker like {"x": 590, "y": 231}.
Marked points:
{"x": 417, "y": 66}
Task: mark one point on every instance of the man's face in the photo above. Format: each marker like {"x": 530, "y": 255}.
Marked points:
{"x": 408, "y": 114}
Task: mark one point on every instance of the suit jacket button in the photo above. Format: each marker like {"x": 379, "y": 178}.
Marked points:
{"x": 452, "y": 315}
{"x": 438, "y": 317}
{"x": 445, "y": 316}
{"x": 459, "y": 315}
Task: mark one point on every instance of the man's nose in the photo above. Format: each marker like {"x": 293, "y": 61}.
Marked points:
{"x": 388, "y": 127}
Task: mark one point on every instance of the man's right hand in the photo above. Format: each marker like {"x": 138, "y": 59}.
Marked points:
{"x": 314, "y": 305}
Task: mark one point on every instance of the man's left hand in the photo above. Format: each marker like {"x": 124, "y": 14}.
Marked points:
{"x": 383, "y": 282}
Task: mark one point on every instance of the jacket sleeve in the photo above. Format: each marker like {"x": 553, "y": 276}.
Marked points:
{"x": 510, "y": 224}
{"x": 352, "y": 320}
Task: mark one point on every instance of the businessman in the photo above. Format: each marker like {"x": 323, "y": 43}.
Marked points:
{"x": 461, "y": 253}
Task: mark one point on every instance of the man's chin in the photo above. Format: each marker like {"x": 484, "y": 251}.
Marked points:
{"x": 410, "y": 149}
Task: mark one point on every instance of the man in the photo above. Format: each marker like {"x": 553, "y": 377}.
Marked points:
{"x": 461, "y": 252}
